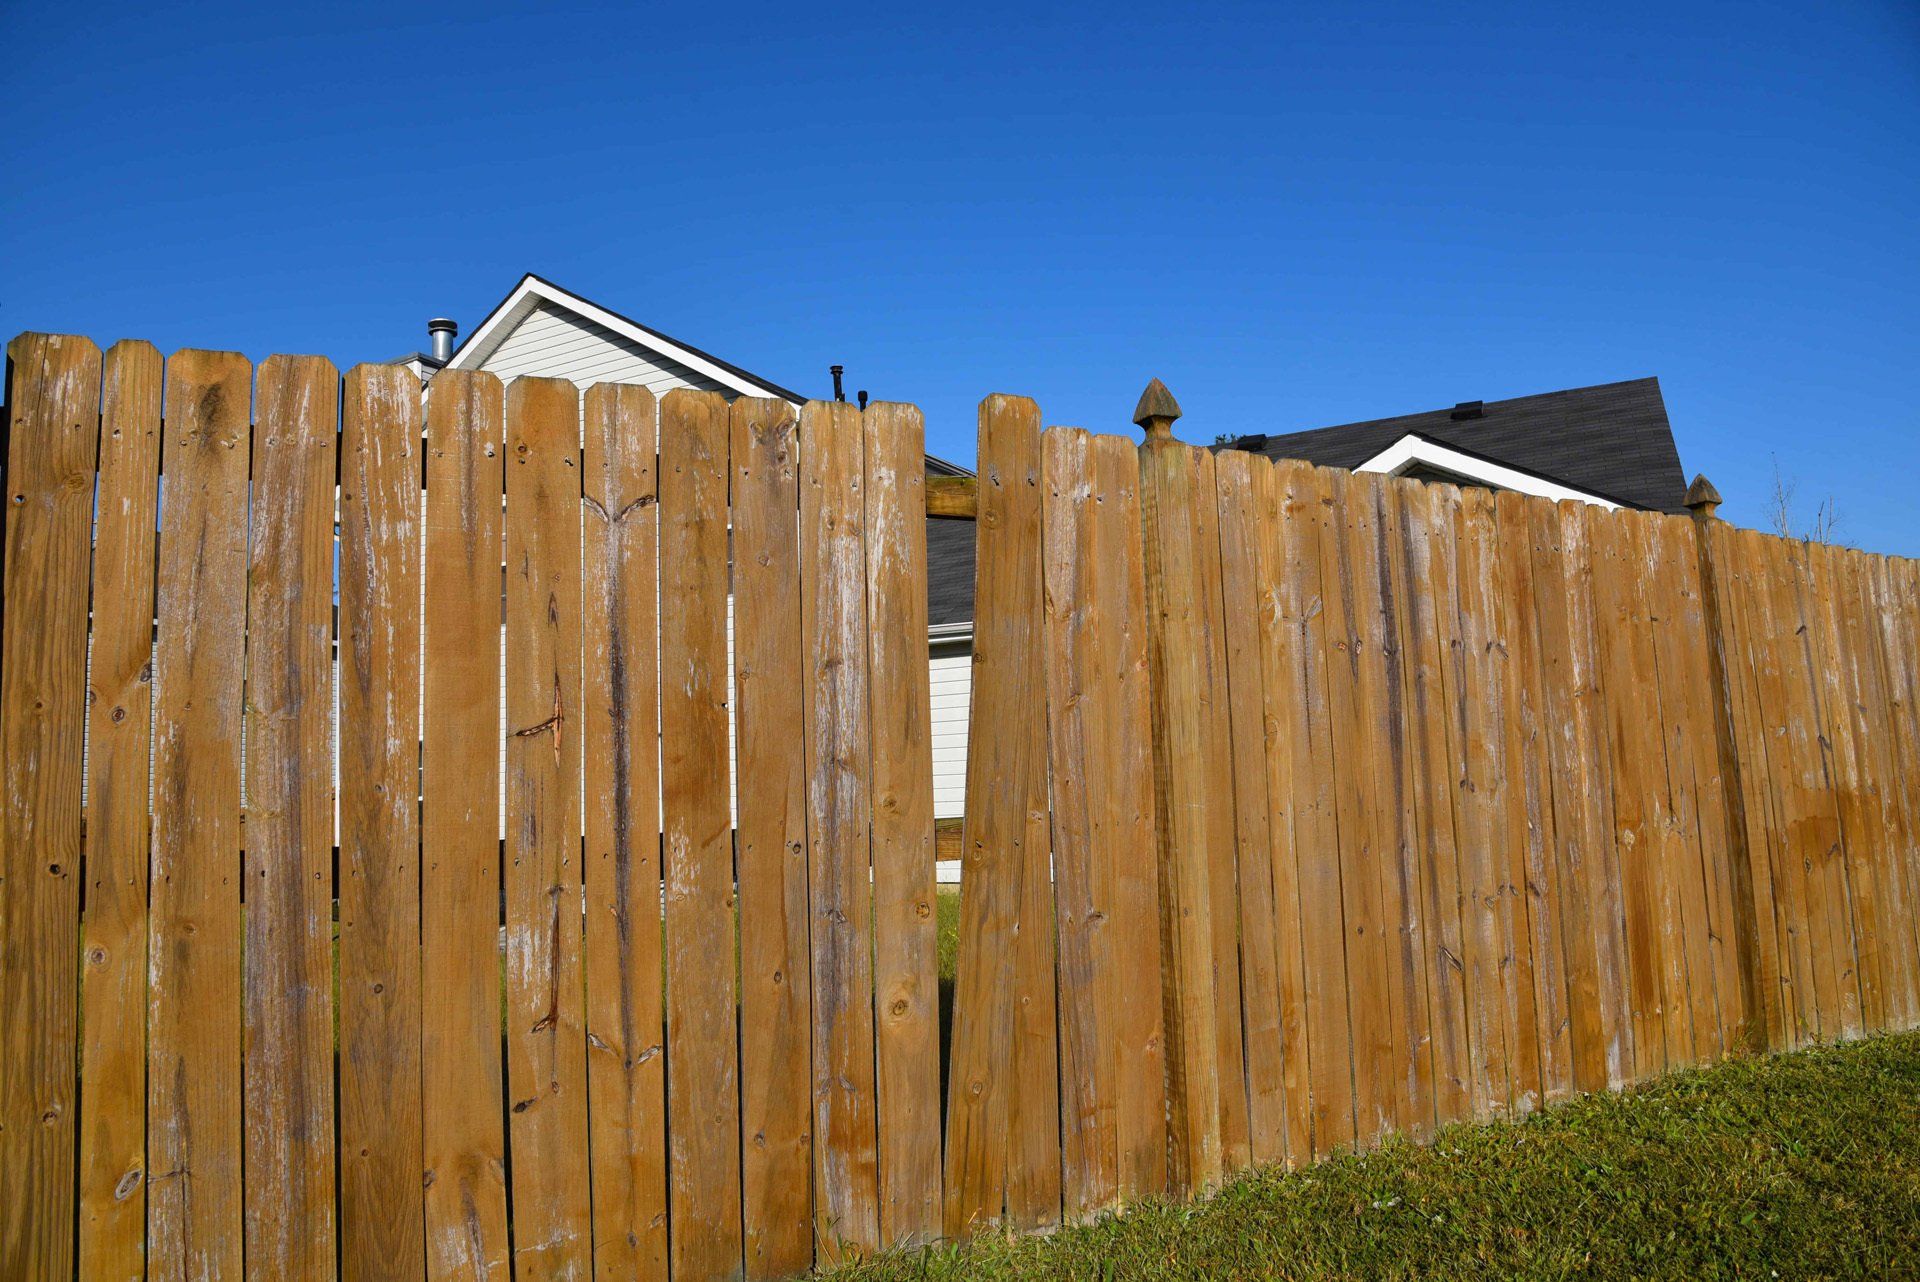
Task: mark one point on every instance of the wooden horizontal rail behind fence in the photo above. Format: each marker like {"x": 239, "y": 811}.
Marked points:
{"x": 1303, "y": 807}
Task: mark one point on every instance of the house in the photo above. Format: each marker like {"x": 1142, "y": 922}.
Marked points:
{"x": 1609, "y": 445}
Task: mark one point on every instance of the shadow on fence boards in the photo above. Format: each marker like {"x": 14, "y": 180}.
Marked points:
{"x": 1303, "y": 807}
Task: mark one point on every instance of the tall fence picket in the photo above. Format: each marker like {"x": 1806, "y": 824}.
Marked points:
{"x": 289, "y": 857}
{"x": 776, "y": 992}
{"x": 194, "y": 1224}
{"x": 113, "y": 1053}
{"x": 54, "y": 392}
{"x": 463, "y": 1134}
{"x": 619, "y": 605}
{"x": 905, "y": 942}
{"x": 545, "y": 1020}
{"x": 703, "y": 1104}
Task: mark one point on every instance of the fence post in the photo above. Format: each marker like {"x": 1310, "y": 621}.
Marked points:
{"x": 1180, "y": 793}
{"x": 1703, "y": 501}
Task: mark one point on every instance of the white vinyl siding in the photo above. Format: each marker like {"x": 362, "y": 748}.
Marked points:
{"x": 952, "y": 682}
{"x": 553, "y": 343}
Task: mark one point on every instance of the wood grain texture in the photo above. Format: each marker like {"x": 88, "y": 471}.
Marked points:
{"x": 953, "y": 496}
{"x": 1002, "y": 1102}
{"x": 775, "y": 967}
{"x": 1749, "y": 791}
{"x": 1402, "y": 891}
{"x": 1642, "y": 817}
{"x": 1565, "y": 673}
{"x": 545, "y": 1015}
{"x": 381, "y": 1215}
{"x": 833, "y": 539}
{"x": 1403, "y": 879}
{"x": 906, "y": 970}
{"x": 1483, "y": 838}
{"x": 288, "y": 978}
{"x": 1126, "y": 827}
{"x": 113, "y": 1053}
{"x": 1874, "y": 829}
{"x": 1221, "y": 818}
{"x": 1701, "y": 872}
{"x": 1883, "y": 679}
{"x": 1308, "y": 511}
{"x": 1279, "y": 642}
{"x": 1899, "y": 584}
{"x": 1862, "y": 823}
{"x": 1811, "y": 815}
{"x": 1090, "y": 1178}
{"x": 1545, "y": 1052}
{"x": 619, "y": 595}
{"x": 703, "y": 1100}
{"x": 1179, "y": 650}
{"x": 1753, "y": 973}
{"x": 464, "y": 1142}
{"x": 1787, "y": 854}
{"x": 1430, "y": 526}
{"x": 54, "y": 391}
{"x": 1099, "y": 722}
{"x": 1362, "y": 770}
{"x": 194, "y": 1217}
{"x": 1588, "y": 700}
{"x": 1257, "y": 925}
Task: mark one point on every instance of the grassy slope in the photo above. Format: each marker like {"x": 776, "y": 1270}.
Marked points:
{"x": 1803, "y": 1165}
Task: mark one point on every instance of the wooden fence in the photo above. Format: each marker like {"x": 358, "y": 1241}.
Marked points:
{"x": 1303, "y": 807}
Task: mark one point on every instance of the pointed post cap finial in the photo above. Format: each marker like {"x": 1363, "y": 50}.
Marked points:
{"x": 1156, "y": 411}
{"x": 1702, "y": 498}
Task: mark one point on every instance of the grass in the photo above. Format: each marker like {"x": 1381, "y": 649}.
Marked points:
{"x": 1805, "y": 1165}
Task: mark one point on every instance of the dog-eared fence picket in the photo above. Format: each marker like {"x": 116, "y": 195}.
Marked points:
{"x": 1303, "y": 807}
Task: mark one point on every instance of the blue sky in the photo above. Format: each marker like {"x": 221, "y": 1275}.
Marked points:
{"x": 1295, "y": 215}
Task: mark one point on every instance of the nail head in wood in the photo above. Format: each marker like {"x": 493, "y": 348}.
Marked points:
{"x": 1156, "y": 411}
{"x": 1702, "y": 498}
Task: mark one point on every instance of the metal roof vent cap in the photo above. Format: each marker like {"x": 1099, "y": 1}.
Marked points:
{"x": 441, "y": 331}
{"x": 1468, "y": 409}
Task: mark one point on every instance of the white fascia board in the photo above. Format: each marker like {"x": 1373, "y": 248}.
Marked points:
{"x": 532, "y": 291}
{"x": 508, "y": 314}
{"x": 1411, "y": 451}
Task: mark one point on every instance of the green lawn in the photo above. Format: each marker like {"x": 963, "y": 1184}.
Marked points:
{"x": 1792, "y": 1166}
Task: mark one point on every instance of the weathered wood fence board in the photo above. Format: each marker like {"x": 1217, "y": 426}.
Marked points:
{"x": 545, "y": 1024}
{"x": 1179, "y": 565}
{"x": 463, "y": 1135}
{"x": 54, "y": 393}
{"x": 1258, "y": 920}
{"x": 288, "y": 946}
{"x": 382, "y": 1216}
{"x": 194, "y": 1219}
{"x": 906, "y": 979}
{"x": 703, "y": 1117}
{"x": 834, "y": 629}
{"x": 776, "y": 992}
{"x": 619, "y": 620}
{"x": 1306, "y": 808}
{"x": 113, "y": 1081}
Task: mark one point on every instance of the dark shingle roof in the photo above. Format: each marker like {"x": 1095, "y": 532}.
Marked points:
{"x": 1612, "y": 440}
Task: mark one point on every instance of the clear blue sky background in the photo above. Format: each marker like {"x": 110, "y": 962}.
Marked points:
{"x": 1296, "y": 215}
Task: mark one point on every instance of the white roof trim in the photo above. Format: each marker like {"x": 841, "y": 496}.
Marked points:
{"x": 1412, "y": 450}
{"x": 532, "y": 291}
